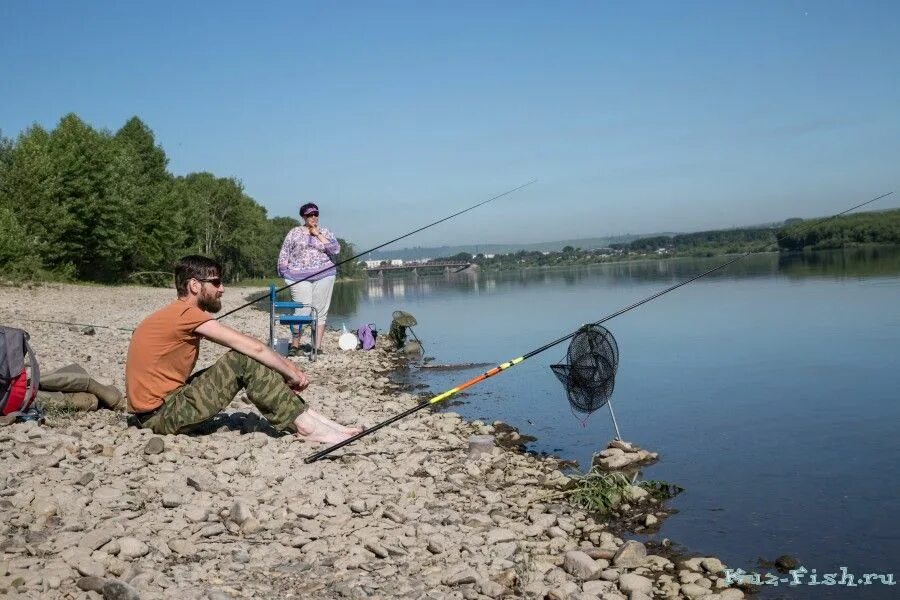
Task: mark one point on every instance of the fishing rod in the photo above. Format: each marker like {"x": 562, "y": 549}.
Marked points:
{"x": 77, "y": 324}
{"x": 504, "y": 366}
{"x": 396, "y": 239}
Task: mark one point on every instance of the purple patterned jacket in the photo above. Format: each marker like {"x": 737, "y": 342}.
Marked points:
{"x": 303, "y": 255}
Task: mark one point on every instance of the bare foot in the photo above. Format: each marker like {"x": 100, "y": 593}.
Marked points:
{"x": 333, "y": 424}
{"x": 312, "y": 429}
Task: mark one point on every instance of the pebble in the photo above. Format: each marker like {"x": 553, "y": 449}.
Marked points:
{"x": 156, "y": 445}
{"x": 130, "y": 547}
{"x": 90, "y": 584}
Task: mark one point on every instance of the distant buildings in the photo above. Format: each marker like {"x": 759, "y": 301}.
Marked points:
{"x": 374, "y": 264}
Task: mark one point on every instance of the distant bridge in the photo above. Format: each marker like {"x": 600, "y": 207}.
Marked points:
{"x": 447, "y": 266}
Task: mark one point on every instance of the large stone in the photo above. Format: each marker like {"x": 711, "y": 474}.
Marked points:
{"x": 598, "y": 587}
{"x": 394, "y": 514}
{"x": 90, "y": 584}
{"x": 130, "y": 547}
{"x": 693, "y": 564}
{"x": 564, "y": 591}
{"x": 90, "y": 568}
{"x": 614, "y": 462}
{"x": 497, "y": 536}
{"x": 491, "y": 589}
{"x": 334, "y": 498}
{"x": 203, "y": 481}
{"x": 629, "y": 582}
{"x": 95, "y": 539}
{"x": 119, "y": 590}
{"x": 84, "y": 478}
{"x": 623, "y": 445}
{"x": 579, "y": 565}
{"x": 460, "y": 578}
{"x": 692, "y": 590}
{"x": 171, "y": 500}
{"x": 636, "y": 493}
{"x": 712, "y": 565}
{"x": 250, "y": 526}
{"x": 611, "y": 452}
{"x": 44, "y": 507}
{"x": 240, "y": 512}
{"x": 212, "y": 530}
{"x": 196, "y": 514}
{"x": 107, "y": 494}
{"x": 182, "y": 547}
{"x": 376, "y": 549}
{"x": 631, "y": 555}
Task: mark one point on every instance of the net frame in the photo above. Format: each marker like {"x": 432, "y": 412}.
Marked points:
{"x": 589, "y": 373}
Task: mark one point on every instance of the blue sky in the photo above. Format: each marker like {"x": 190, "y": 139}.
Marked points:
{"x": 633, "y": 117}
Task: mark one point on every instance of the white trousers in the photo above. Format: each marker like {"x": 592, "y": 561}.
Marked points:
{"x": 313, "y": 293}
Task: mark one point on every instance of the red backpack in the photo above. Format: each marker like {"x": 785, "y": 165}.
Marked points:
{"x": 17, "y": 390}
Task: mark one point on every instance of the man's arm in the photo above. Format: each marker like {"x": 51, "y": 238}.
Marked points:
{"x": 255, "y": 349}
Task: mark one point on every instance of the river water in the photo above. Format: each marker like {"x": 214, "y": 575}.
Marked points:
{"x": 770, "y": 390}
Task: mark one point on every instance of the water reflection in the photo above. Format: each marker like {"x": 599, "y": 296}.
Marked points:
{"x": 866, "y": 262}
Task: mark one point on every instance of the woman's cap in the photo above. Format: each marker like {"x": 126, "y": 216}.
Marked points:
{"x": 308, "y": 209}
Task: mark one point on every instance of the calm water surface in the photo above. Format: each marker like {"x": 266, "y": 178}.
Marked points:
{"x": 770, "y": 390}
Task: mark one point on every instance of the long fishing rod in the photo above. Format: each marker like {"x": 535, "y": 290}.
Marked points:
{"x": 504, "y": 366}
{"x": 396, "y": 239}
{"x": 77, "y": 324}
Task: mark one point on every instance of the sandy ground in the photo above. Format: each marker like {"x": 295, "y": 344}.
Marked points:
{"x": 90, "y": 507}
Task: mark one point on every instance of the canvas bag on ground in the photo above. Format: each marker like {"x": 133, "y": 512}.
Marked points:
{"x": 17, "y": 390}
{"x": 366, "y": 335}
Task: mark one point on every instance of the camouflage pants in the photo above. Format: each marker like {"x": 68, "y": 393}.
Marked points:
{"x": 211, "y": 390}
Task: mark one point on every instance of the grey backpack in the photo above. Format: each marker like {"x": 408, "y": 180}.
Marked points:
{"x": 17, "y": 390}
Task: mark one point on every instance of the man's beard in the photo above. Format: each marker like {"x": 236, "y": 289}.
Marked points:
{"x": 209, "y": 304}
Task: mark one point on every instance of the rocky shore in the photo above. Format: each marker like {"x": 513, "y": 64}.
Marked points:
{"x": 90, "y": 507}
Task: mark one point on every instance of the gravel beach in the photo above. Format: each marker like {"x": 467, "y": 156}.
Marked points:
{"x": 93, "y": 508}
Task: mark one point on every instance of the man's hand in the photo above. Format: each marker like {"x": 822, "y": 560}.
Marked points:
{"x": 255, "y": 349}
{"x": 298, "y": 381}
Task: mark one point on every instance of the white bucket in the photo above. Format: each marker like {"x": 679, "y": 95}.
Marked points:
{"x": 348, "y": 341}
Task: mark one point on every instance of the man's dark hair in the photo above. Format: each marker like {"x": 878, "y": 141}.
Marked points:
{"x": 194, "y": 267}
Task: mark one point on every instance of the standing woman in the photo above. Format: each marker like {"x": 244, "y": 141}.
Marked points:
{"x": 306, "y": 253}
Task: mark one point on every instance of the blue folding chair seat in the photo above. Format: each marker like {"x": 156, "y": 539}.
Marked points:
{"x": 291, "y": 319}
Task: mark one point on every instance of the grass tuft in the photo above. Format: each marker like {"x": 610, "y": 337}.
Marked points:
{"x": 604, "y": 491}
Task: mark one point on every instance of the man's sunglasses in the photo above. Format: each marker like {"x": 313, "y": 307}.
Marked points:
{"x": 312, "y": 214}
{"x": 216, "y": 281}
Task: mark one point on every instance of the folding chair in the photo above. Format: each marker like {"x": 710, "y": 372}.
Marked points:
{"x": 291, "y": 319}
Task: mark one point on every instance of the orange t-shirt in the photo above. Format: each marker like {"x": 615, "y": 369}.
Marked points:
{"x": 162, "y": 354}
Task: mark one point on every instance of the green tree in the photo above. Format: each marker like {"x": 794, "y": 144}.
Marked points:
{"x": 96, "y": 194}
{"x": 351, "y": 269}
{"x": 93, "y": 205}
